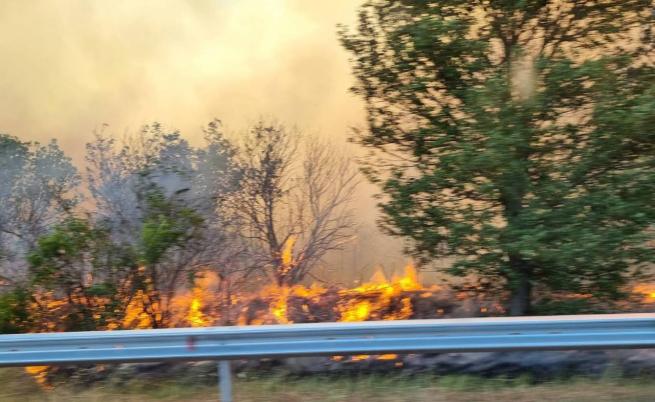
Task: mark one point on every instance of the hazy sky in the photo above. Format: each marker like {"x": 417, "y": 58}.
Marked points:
{"x": 69, "y": 66}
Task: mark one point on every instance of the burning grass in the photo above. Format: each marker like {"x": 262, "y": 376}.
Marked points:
{"x": 398, "y": 298}
{"x": 401, "y": 297}
{"x": 206, "y": 303}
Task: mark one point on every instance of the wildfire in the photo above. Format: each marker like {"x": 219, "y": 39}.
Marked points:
{"x": 196, "y": 318}
{"x": 279, "y": 306}
{"x": 378, "y": 299}
{"x": 647, "y": 291}
{"x": 136, "y": 315}
{"x": 277, "y": 298}
{"x": 287, "y": 252}
{"x": 375, "y": 299}
{"x": 192, "y": 308}
{"x": 402, "y": 297}
{"x": 359, "y": 312}
{"x": 40, "y": 374}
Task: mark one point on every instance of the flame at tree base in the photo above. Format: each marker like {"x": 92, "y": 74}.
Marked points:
{"x": 402, "y": 297}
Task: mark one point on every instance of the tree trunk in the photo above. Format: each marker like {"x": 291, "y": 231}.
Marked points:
{"x": 521, "y": 290}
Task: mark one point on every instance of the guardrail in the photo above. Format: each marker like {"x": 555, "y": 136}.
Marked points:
{"x": 413, "y": 336}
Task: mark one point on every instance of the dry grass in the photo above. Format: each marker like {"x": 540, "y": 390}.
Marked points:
{"x": 18, "y": 387}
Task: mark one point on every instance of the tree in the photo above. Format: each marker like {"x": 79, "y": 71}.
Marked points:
{"x": 171, "y": 240}
{"x": 14, "y": 311}
{"x": 163, "y": 197}
{"x": 294, "y": 201}
{"x": 514, "y": 136}
{"x": 80, "y": 279}
{"x": 37, "y": 190}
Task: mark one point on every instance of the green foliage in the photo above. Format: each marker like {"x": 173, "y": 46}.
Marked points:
{"x": 14, "y": 313}
{"x": 168, "y": 225}
{"x": 79, "y": 263}
{"x": 516, "y": 137}
{"x": 156, "y": 217}
{"x": 58, "y": 251}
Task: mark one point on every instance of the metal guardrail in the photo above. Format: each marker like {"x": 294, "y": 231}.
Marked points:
{"x": 413, "y": 336}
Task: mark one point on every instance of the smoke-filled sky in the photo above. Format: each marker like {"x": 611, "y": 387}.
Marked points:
{"x": 70, "y": 66}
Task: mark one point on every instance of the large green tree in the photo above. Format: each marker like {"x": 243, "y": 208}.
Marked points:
{"x": 515, "y": 136}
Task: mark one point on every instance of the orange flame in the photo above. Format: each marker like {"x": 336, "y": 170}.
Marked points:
{"x": 372, "y": 300}
{"x": 196, "y": 317}
{"x": 287, "y": 251}
{"x": 377, "y": 299}
{"x": 647, "y": 291}
{"x": 135, "y": 313}
{"x": 40, "y": 374}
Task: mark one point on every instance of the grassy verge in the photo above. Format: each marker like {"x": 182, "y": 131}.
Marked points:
{"x": 19, "y": 387}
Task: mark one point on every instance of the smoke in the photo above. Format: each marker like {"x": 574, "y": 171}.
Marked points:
{"x": 524, "y": 78}
{"x": 70, "y": 67}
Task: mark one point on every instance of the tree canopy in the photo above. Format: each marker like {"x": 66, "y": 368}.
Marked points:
{"x": 514, "y": 136}
{"x": 38, "y": 186}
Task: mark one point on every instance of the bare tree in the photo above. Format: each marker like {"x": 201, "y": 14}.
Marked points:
{"x": 294, "y": 200}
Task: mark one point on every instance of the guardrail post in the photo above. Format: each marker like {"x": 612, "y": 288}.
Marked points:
{"x": 225, "y": 381}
